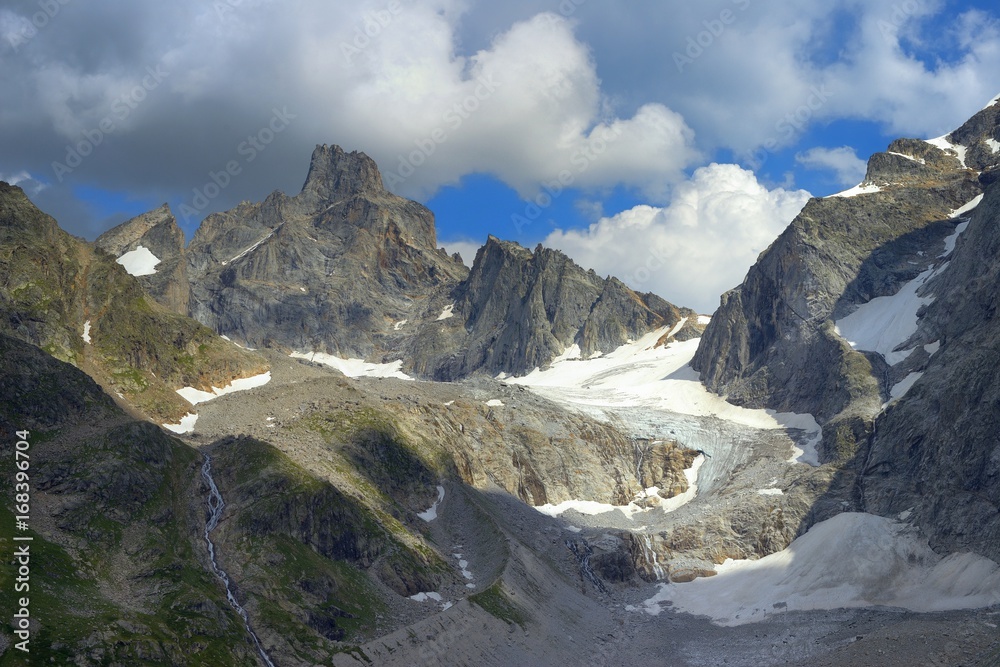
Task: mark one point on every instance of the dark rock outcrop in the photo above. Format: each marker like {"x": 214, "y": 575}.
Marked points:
{"x": 935, "y": 454}
{"x": 330, "y": 270}
{"x": 76, "y": 303}
{"x": 156, "y": 231}
{"x": 772, "y": 342}
{"x": 520, "y": 309}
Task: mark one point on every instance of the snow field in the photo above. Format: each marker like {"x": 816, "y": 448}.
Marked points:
{"x": 639, "y": 374}
{"x": 850, "y": 560}
{"x": 139, "y": 262}
{"x": 355, "y": 367}
{"x": 196, "y": 396}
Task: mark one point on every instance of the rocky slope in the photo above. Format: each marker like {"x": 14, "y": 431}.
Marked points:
{"x": 934, "y": 455}
{"x": 772, "y": 340}
{"x": 79, "y": 305}
{"x": 156, "y": 232}
{"x": 331, "y": 269}
{"x": 349, "y": 269}
{"x": 919, "y": 452}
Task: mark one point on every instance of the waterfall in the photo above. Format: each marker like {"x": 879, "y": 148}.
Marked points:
{"x": 215, "y": 507}
{"x": 652, "y": 557}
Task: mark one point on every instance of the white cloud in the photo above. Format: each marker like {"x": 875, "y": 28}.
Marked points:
{"x": 25, "y": 181}
{"x": 466, "y": 248}
{"x": 844, "y": 162}
{"x": 526, "y": 109}
{"x": 698, "y": 246}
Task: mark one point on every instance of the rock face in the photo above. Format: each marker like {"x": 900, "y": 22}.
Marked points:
{"x": 349, "y": 269}
{"x": 79, "y": 305}
{"x": 330, "y": 270}
{"x": 157, "y": 232}
{"x": 521, "y": 309}
{"x": 935, "y": 456}
{"x": 927, "y": 453}
{"x": 772, "y": 342}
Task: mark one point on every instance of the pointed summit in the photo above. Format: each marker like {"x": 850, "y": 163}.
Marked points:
{"x": 335, "y": 173}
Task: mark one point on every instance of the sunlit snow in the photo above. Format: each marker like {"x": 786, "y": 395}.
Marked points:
{"x": 860, "y": 189}
{"x": 594, "y": 508}
{"x": 947, "y": 146}
{"x": 355, "y": 367}
{"x": 640, "y": 374}
{"x": 196, "y": 396}
{"x": 851, "y": 560}
{"x": 432, "y": 513}
{"x": 139, "y": 262}
{"x": 909, "y": 157}
{"x": 447, "y": 312}
{"x": 186, "y": 424}
{"x": 86, "y": 332}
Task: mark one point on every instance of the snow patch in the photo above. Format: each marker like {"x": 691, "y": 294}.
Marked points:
{"x": 962, "y": 210}
{"x": 593, "y": 508}
{"x": 86, "y": 332}
{"x": 994, "y": 145}
{"x": 423, "y": 597}
{"x": 851, "y": 560}
{"x": 860, "y": 189}
{"x": 947, "y": 146}
{"x": 909, "y": 157}
{"x": 186, "y": 424}
{"x": 771, "y": 492}
{"x": 139, "y": 262}
{"x": 640, "y": 374}
{"x": 900, "y": 388}
{"x": 399, "y": 324}
{"x": 704, "y": 319}
{"x": 432, "y": 513}
{"x": 251, "y": 248}
{"x": 886, "y": 322}
{"x": 677, "y": 327}
{"x": 570, "y": 353}
{"x": 494, "y": 403}
{"x": 196, "y": 396}
{"x": 447, "y": 313}
{"x": 931, "y": 348}
{"x": 355, "y": 367}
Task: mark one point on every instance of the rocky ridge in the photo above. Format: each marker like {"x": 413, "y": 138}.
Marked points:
{"x": 347, "y": 268}
{"x": 76, "y": 303}
{"x": 920, "y": 453}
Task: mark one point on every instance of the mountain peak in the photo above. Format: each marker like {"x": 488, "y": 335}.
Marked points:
{"x": 334, "y": 172}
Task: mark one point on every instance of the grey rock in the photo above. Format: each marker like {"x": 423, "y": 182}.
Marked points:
{"x": 935, "y": 453}
{"x": 158, "y": 232}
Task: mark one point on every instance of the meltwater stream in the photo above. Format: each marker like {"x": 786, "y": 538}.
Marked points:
{"x": 215, "y": 506}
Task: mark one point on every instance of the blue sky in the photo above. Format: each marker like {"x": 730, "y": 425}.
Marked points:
{"x": 664, "y": 142}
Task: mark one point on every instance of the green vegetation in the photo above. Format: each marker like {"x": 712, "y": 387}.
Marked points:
{"x": 496, "y": 602}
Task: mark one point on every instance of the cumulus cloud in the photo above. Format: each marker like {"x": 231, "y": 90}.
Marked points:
{"x": 844, "y": 162}
{"x": 698, "y": 246}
